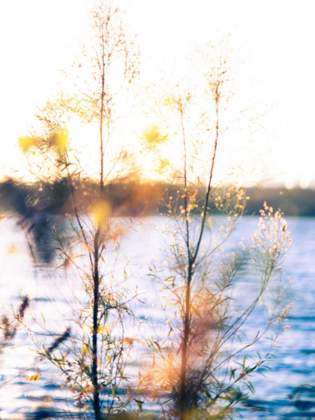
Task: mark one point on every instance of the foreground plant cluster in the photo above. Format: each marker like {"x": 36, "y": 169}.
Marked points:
{"x": 197, "y": 366}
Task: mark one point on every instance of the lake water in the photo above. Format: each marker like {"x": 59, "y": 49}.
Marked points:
{"x": 286, "y": 391}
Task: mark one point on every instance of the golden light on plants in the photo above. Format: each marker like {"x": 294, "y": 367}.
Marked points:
{"x": 59, "y": 140}
{"x": 26, "y": 143}
{"x": 101, "y": 211}
{"x": 163, "y": 165}
{"x": 153, "y": 136}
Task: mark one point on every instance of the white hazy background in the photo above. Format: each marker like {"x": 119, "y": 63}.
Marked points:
{"x": 273, "y": 40}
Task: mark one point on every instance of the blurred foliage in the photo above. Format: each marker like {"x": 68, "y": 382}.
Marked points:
{"x": 130, "y": 197}
{"x": 153, "y": 136}
{"x": 26, "y": 143}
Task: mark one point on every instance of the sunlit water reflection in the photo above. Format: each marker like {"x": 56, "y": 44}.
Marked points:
{"x": 285, "y": 391}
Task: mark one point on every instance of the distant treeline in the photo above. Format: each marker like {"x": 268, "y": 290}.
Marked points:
{"x": 134, "y": 198}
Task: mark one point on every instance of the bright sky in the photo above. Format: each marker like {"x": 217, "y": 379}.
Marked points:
{"x": 274, "y": 40}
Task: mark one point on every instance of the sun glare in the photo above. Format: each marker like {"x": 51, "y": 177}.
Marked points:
{"x": 42, "y": 57}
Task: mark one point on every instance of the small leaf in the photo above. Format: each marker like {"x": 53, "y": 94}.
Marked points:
{"x": 33, "y": 377}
